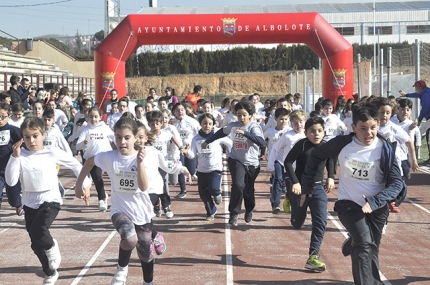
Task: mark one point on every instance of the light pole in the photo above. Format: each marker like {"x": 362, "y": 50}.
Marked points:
{"x": 374, "y": 41}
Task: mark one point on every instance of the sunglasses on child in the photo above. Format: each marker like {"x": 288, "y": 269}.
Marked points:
{"x": 3, "y": 117}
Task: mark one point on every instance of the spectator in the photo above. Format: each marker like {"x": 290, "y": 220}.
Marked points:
{"x": 15, "y": 97}
{"x": 24, "y": 90}
{"x": 5, "y": 97}
{"x": 195, "y": 96}
{"x": 64, "y": 97}
{"x": 170, "y": 96}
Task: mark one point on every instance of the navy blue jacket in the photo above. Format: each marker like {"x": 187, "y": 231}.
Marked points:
{"x": 6, "y": 150}
{"x": 425, "y": 103}
{"x": 395, "y": 188}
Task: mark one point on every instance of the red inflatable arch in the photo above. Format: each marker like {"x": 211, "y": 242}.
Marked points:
{"x": 308, "y": 28}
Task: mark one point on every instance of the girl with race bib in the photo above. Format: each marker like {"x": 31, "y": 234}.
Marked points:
{"x": 209, "y": 166}
{"x": 96, "y": 137}
{"x": 243, "y": 161}
{"x": 187, "y": 128}
{"x": 40, "y": 193}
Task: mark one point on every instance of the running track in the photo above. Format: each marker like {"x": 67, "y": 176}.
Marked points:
{"x": 266, "y": 251}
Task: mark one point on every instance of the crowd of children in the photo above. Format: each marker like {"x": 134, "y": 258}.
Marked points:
{"x": 186, "y": 141}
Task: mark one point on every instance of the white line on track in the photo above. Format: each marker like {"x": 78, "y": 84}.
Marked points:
{"x": 345, "y": 234}
{"x": 88, "y": 265}
{"x": 228, "y": 253}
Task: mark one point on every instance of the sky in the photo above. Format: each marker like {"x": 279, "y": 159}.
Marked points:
{"x": 34, "y": 18}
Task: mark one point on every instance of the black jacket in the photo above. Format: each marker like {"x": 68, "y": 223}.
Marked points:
{"x": 15, "y": 97}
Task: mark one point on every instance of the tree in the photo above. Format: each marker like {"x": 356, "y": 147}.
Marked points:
{"x": 79, "y": 46}
{"x": 100, "y": 35}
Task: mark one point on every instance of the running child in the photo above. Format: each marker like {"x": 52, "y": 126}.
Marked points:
{"x": 187, "y": 128}
{"x": 276, "y": 160}
{"x": 131, "y": 210}
{"x": 332, "y": 123}
{"x": 209, "y": 164}
{"x": 40, "y": 193}
{"x": 243, "y": 160}
{"x": 17, "y": 115}
{"x": 96, "y": 137}
{"x": 394, "y": 133}
{"x": 161, "y": 139}
{"x": 38, "y": 108}
{"x": 369, "y": 179}
{"x": 317, "y": 199}
{"x": 9, "y": 135}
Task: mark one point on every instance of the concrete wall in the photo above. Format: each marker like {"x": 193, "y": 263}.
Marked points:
{"x": 51, "y": 54}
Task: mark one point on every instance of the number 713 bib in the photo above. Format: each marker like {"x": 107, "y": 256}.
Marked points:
{"x": 360, "y": 171}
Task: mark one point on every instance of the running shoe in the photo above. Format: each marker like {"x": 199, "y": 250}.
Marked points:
{"x": 50, "y": 280}
{"x": 276, "y": 210}
{"x": 287, "y": 206}
{"x": 218, "y": 199}
{"x": 211, "y": 217}
{"x": 20, "y": 210}
{"x": 182, "y": 195}
{"x": 102, "y": 206}
{"x": 168, "y": 212}
{"x": 233, "y": 219}
{"x": 54, "y": 256}
{"x": 61, "y": 188}
{"x": 159, "y": 244}
{"x": 157, "y": 211}
{"x": 314, "y": 263}
{"x": 248, "y": 217}
{"x": 393, "y": 207}
{"x": 120, "y": 275}
{"x": 347, "y": 246}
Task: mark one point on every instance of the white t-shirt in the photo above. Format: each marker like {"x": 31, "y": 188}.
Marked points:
{"x": 273, "y": 135}
{"x": 55, "y": 139}
{"x": 332, "y": 126}
{"x": 360, "y": 171}
{"x": 60, "y": 118}
{"x": 37, "y": 172}
{"x": 100, "y": 137}
{"x": 348, "y": 122}
{"x": 161, "y": 141}
{"x": 126, "y": 197}
{"x": 17, "y": 123}
{"x": 282, "y": 147}
{"x": 113, "y": 119}
{"x": 187, "y": 128}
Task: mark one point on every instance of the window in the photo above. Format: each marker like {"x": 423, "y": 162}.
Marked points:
{"x": 346, "y": 31}
{"x": 382, "y": 30}
{"x": 418, "y": 29}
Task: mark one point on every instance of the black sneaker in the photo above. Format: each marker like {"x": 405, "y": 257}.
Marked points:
{"x": 425, "y": 162}
{"x": 157, "y": 211}
{"x": 20, "y": 210}
{"x": 248, "y": 217}
{"x": 182, "y": 195}
{"x": 233, "y": 220}
{"x": 347, "y": 246}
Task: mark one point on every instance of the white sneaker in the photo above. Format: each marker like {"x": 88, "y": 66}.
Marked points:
{"x": 169, "y": 214}
{"x": 120, "y": 275}
{"x": 103, "y": 205}
{"x": 50, "y": 280}
{"x": 54, "y": 257}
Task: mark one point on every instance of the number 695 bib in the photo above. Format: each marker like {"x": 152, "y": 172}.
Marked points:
{"x": 126, "y": 181}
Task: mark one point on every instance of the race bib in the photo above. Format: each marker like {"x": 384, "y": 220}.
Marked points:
{"x": 360, "y": 171}
{"x": 161, "y": 147}
{"x": 183, "y": 134}
{"x": 237, "y": 137}
{"x": 203, "y": 150}
{"x": 49, "y": 142}
{"x": 126, "y": 181}
{"x": 4, "y": 137}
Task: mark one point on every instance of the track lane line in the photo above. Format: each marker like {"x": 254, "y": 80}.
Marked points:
{"x": 228, "y": 251}
{"x": 88, "y": 265}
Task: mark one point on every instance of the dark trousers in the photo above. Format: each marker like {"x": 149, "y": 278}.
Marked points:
{"x": 37, "y": 224}
{"x": 209, "y": 186}
{"x": 13, "y": 192}
{"x": 365, "y": 231}
{"x": 191, "y": 165}
{"x": 243, "y": 179}
{"x": 165, "y": 199}
{"x": 278, "y": 180}
{"x": 96, "y": 175}
{"x": 317, "y": 203}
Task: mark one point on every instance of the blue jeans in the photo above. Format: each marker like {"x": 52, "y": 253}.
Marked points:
{"x": 209, "y": 186}
{"x": 365, "y": 231}
{"x": 277, "y": 183}
{"x": 13, "y": 192}
{"x": 190, "y": 164}
{"x": 317, "y": 203}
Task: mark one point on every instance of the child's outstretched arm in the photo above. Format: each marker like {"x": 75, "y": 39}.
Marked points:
{"x": 79, "y": 191}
